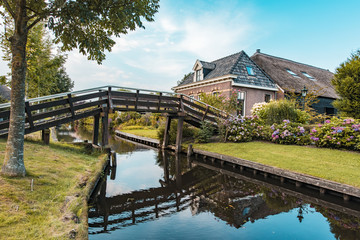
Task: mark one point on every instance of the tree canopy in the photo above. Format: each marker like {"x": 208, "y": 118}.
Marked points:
{"x": 88, "y": 25}
{"x": 45, "y": 73}
{"x": 347, "y": 85}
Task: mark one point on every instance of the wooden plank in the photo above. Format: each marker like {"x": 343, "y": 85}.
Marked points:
{"x": 88, "y": 96}
{"x": 71, "y": 106}
{"x": 124, "y": 109}
{"x": 123, "y": 102}
{"x": 29, "y": 115}
{"x": 4, "y": 124}
{"x": 105, "y": 127}
{"x": 89, "y": 104}
{"x": 5, "y": 114}
{"x": 64, "y": 120}
{"x": 206, "y": 111}
{"x": 198, "y": 114}
{"x": 123, "y": 94}
{"x": 55, "y": 103}
{"x": 48, "y": 114}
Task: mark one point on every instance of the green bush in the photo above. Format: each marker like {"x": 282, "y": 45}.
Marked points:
{"x": 277, "y": 111}
{"x": 205, "y": 133}
{"x": 246, "y": 129}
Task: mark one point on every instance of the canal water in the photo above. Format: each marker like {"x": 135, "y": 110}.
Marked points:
{"x": 159, "y": 195}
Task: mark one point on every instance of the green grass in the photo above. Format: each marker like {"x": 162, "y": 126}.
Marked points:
{"x": 141, "y": 131}
{"x": 56, "y": 170}
{"x": 335, "y": 165}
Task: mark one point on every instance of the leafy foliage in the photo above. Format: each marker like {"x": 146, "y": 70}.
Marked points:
{"x": 45, "y": 71}
{"x": 188, "y": 131}
{"x": 227, "y": 104}
{"x": 347, "y": 84}
{"x": 205, "y": 133}
{"x": 277, "y": 111}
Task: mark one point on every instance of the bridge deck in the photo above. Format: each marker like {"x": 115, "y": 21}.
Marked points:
{"x": 50, "y": 111}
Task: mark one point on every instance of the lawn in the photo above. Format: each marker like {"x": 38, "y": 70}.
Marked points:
{"x": 335, "y": 165}
{"x": 141, "y": 131}
{"x": 56, "y": 171}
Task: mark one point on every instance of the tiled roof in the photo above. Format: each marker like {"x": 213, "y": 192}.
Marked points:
{"x": 277, "y": 67}
{"x": 234, "y": 64}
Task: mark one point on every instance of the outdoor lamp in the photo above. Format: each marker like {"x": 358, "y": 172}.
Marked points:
{"x": 304, "y": 92}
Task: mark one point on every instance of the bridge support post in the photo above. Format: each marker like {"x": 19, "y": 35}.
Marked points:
{"x": 96, "y": 130}
{"x": 166, "y": 132}
{"x": 45, "y": 136}
{"x": 179, "y": 133}
{"x": 105, "y": 127}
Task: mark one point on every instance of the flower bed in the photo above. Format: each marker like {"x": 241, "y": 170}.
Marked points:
{"x": 334, "y": 133}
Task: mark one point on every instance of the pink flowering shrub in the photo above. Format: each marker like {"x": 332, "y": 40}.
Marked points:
{"x": 289, "y": 133}
{"x": 337, "y": 133}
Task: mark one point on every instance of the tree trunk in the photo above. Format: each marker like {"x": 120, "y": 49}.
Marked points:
{"x": 14, "y": 155}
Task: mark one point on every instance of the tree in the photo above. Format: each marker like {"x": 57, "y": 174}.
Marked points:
{"x": 45, "y": 73}
{"x": 347, "y": 85}
{"x": 87, "y": 25}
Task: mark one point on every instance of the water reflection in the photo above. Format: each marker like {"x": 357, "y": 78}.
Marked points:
{"x": 181, "y": 184}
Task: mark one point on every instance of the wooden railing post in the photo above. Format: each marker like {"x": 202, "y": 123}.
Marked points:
{"x": 29, "y": 115}
{"x": 136, "y": 99}
{"x": 159, "y": 97}
{"x": 96, "y": 129}
{"x": 105, "y": 127}
{"x": 110, "y": 103}
{"x": 166, "y": 132}
{"x": 179, "y": 133}
{"x": 71, "y": 105}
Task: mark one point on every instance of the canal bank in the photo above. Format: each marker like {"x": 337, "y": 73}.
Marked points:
{"x": 51, "y": 201}
{"x": 298, "y": 179}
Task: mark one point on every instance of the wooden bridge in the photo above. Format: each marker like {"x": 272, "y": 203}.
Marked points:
{"x": 49, "y": 111}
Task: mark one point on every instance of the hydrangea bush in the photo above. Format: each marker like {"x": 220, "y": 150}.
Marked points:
{"x": 337, "y": 133}
{"x": 289, "y": 133}
{"x": 245, "y": 129}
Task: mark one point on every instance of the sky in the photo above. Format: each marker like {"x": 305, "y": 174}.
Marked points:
{"x": 316, "y": 32}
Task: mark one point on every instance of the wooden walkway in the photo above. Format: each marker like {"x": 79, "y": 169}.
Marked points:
{"x": 45, "y": 112}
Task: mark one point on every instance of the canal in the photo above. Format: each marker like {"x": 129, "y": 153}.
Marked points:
{"x": 152, "y": 194}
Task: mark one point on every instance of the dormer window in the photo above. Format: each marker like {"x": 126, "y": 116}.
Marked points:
{"x": 292, "y": 73}
{"x": 308, "y": 76}
{"x": 250, "y": 70}
{"x": 198, "y": 75}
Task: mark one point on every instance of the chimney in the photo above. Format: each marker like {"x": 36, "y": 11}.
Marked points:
{"x": 258, "y": 50}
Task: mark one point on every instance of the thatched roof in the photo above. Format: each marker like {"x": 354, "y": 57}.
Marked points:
{"x": 313, "y": 78}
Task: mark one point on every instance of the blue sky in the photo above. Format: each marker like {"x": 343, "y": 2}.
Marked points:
{"x": 317, "y": 32}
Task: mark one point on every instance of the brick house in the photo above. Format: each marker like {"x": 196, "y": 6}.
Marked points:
{"x": 258, "y": 78}
{"x": 236, "y": 72}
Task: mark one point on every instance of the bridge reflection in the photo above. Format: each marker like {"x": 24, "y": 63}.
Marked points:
{"x": 194, "y": 185}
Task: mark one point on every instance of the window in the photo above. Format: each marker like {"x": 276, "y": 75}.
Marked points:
{"x": 216, "y": 94}
{"x": 198, "y": 75}
{"x": 291, "y": 72}
{"x": 267, "y": 97}
{"x": 250, "y": 70}
{"x": 308, "y": 76}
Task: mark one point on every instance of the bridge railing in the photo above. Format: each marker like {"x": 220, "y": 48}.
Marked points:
{"x": 53, "y": 110}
